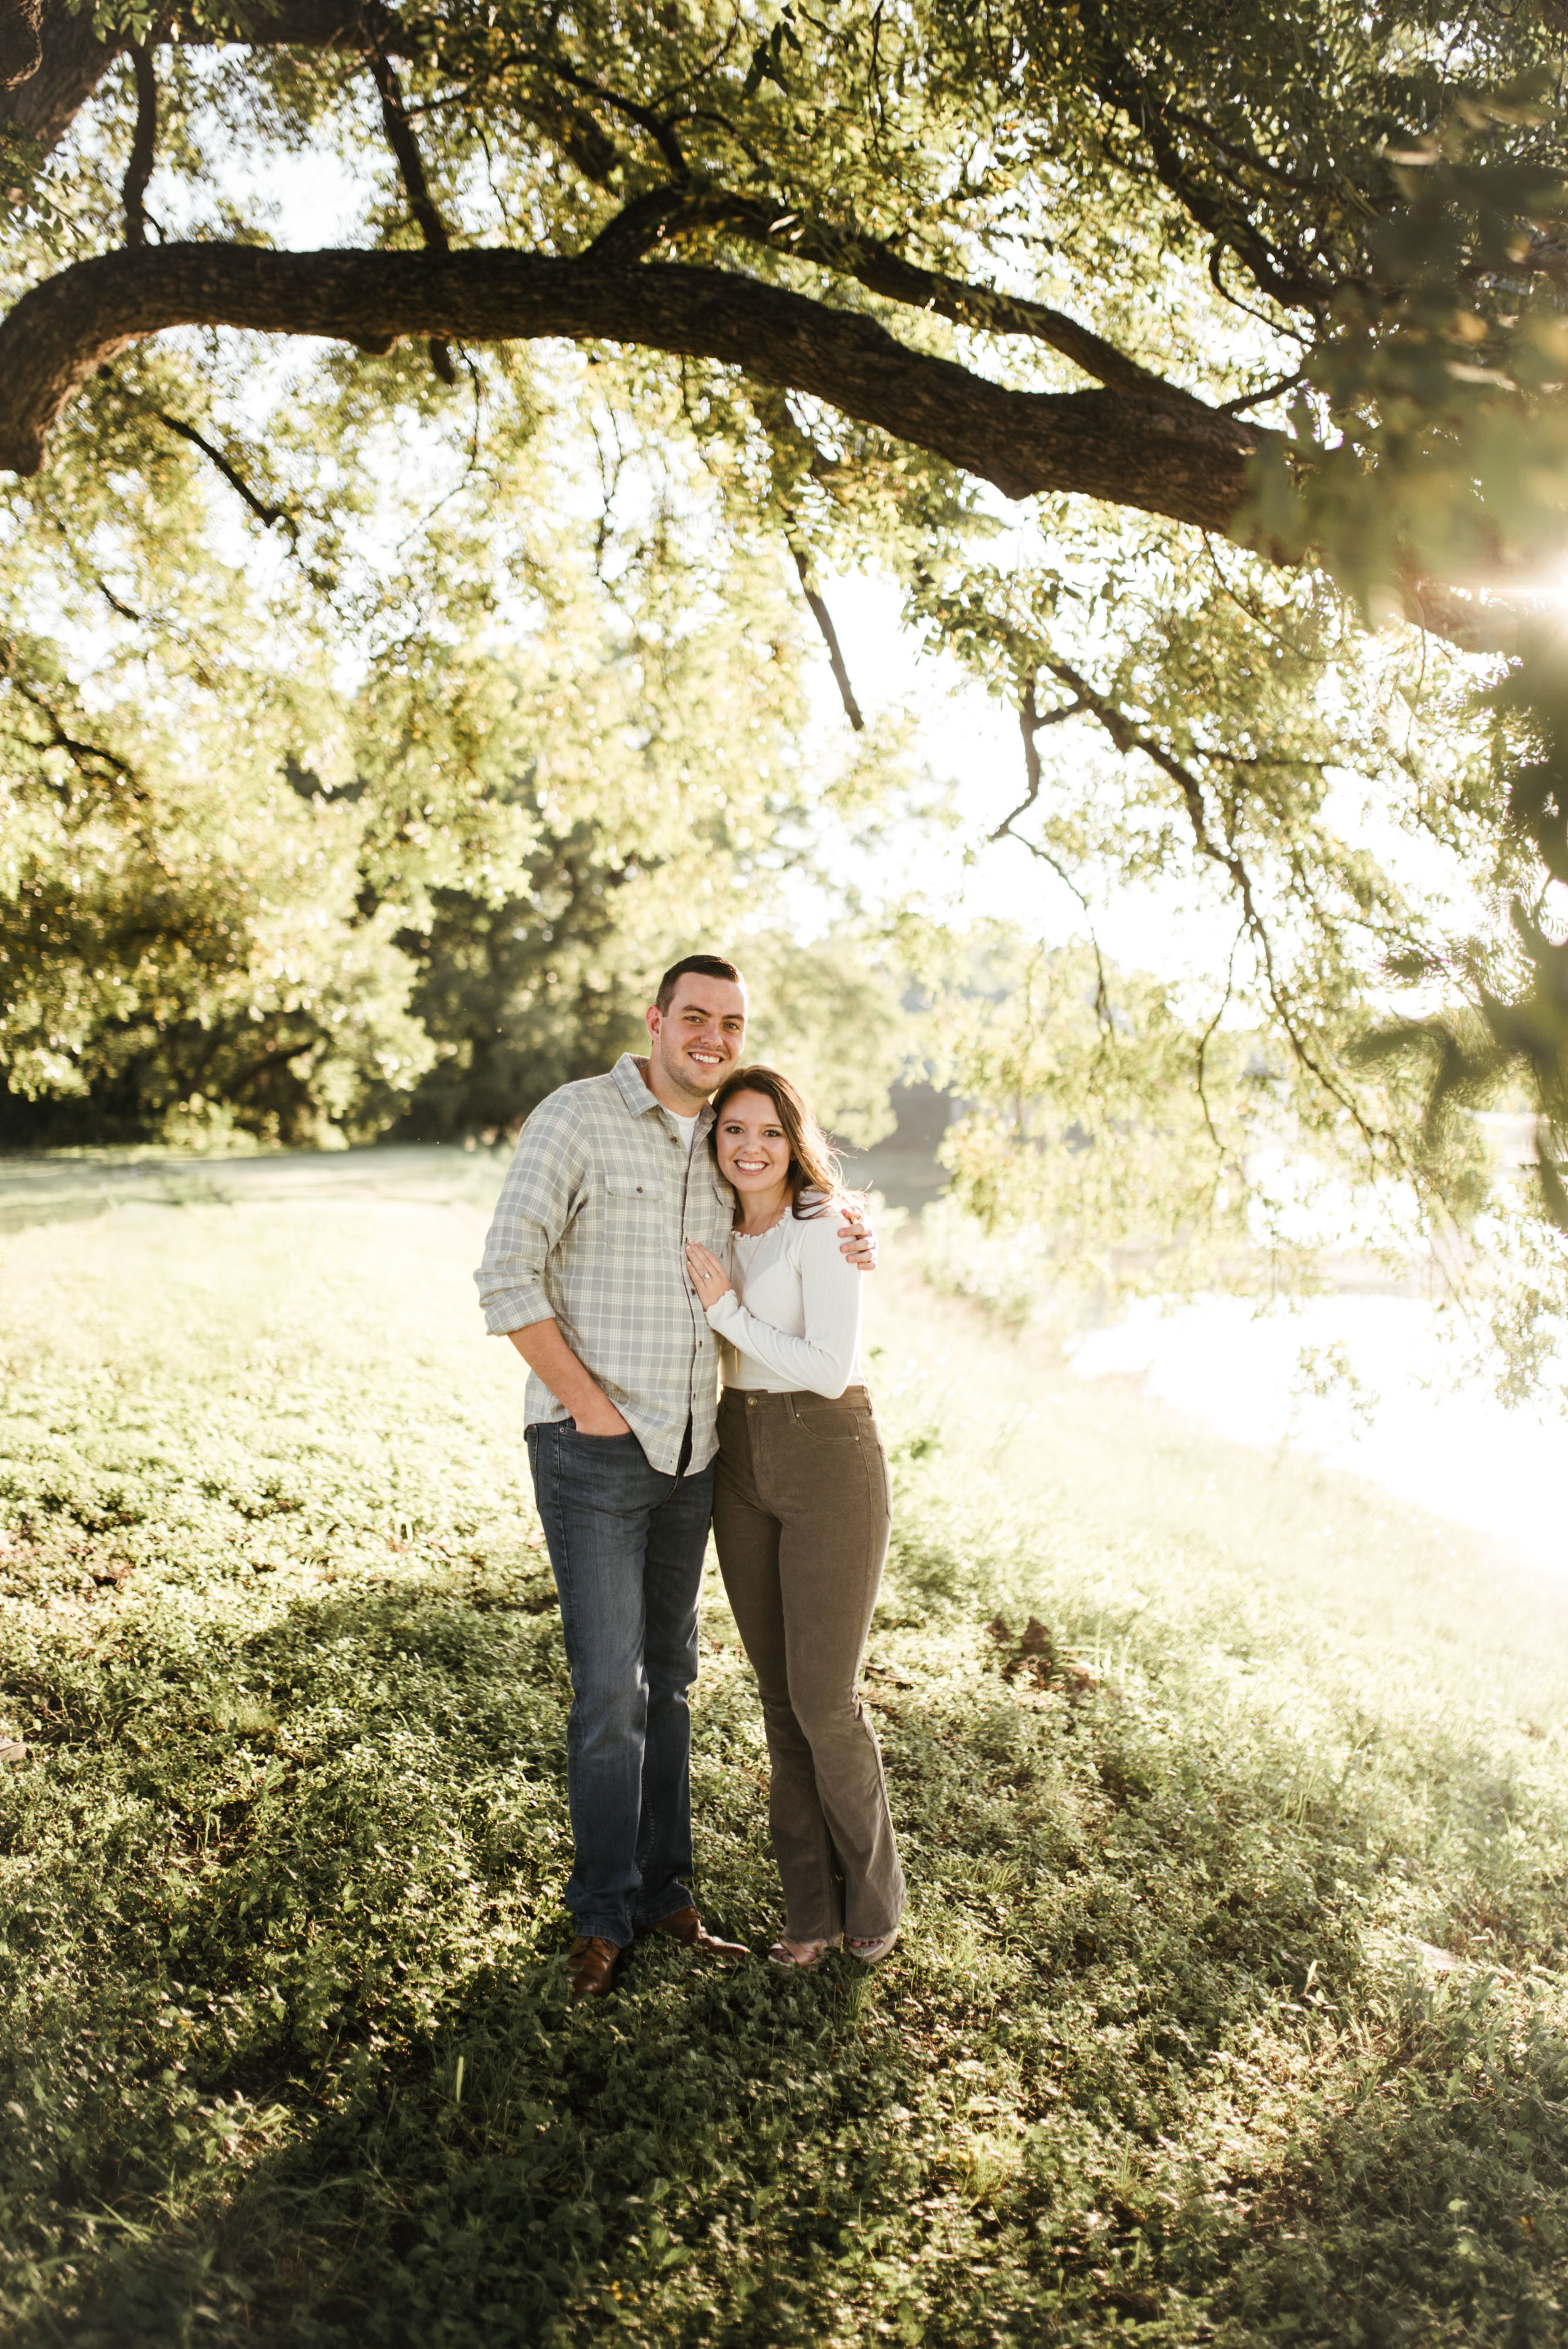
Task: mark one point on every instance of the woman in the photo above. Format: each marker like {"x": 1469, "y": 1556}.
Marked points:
{"x": 800, "y": 1514}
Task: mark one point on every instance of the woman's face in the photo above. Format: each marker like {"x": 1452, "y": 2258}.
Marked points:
{"x": 753, "y": 1150}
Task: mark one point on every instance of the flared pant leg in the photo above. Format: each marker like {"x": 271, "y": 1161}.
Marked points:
{"x": 800, "y": 1520}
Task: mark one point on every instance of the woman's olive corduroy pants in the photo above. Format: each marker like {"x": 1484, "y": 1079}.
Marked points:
{"x": 800, "y": 1519}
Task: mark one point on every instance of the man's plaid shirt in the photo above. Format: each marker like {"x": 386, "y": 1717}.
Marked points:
{"x": 591, "y": 1226}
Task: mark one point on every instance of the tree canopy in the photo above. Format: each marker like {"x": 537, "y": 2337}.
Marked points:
{"x": 1152, "y": 351}
{"x": 860, "y": 206}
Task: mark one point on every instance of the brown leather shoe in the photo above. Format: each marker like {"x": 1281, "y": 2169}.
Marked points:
{"x": 591, "y": 1966}
{"x": 687, "y": 1928}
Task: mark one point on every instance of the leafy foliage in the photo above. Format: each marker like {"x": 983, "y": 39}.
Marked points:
{"x": 261, "y": 876}
{"x": 1342, "y": 228}
{"x": 1081, "y": 1116}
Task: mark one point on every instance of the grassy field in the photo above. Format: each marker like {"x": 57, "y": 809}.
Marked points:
{"x": 1233, "y": 1797}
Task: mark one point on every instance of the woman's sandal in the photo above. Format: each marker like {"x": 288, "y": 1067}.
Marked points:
{"x": 873, "y": 1953}
{"x": 782, "y": 1956}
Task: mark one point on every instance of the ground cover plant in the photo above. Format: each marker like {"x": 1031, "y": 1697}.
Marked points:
{"x": 1234, "y": 1799}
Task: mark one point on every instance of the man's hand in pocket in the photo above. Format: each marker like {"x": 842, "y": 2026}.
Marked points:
{"x": 600, "y": 1419}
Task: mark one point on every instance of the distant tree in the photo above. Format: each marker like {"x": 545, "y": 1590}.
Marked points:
{"x": 398, "y": 845}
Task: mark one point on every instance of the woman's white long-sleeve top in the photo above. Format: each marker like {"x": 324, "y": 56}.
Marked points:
{"x": 793, "y": 1318}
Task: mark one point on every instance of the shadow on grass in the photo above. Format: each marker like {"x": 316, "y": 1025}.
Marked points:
{"x": 351, "y": 1837}
{"x": 1094, "y": 2096}
{"x": 673, "y": 2167}
{"x": 1429, "y": 2204}
{"x": 540, "y": 2172}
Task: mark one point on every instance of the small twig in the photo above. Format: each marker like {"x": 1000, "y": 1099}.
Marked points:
{"x": 660, "y": 129}
{"x": 1274, "y": 326}
{"x": 1207, "y": 1038}
{"x": 236, "y": 480}
{"x": 406, "y": 151}
{"x": 794, "y": 453}
{"x": 143, "y": 145}
{"x": 824, "y": 620}
{"x": 1255, "y": 619}
{"x": 1245, "y": 156}
{"x": 115, "y": 603}
{"x": 1031, "y": 723}
{"x": 477, "y": 381}
{"x": 1269, "y": 391}
{"x": 80, "y": 754}
{"x": 876, "y": 68}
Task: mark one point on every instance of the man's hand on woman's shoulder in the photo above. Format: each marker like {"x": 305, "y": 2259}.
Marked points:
{"x": 858, "y": 1238}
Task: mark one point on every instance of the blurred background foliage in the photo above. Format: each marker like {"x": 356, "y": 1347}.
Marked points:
{"x": 390, "y": 832}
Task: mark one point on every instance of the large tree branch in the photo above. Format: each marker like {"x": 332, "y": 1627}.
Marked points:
{"x": 667, "y": 214}
{"x": 21, "y": 47}
{"x": 662, "y": 215}
{"x": 53, "y": 62}
{"x": 59, "y": 63}
{"x": 1131, "y": 449}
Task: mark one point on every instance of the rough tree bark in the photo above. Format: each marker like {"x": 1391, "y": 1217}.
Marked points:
{"x": 1182, "y": 462}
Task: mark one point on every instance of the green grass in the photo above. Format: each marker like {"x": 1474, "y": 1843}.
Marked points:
{"x": 1231, "y": 2004}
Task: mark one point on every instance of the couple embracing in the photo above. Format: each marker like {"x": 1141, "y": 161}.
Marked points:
{"x": 673, "y": 1219}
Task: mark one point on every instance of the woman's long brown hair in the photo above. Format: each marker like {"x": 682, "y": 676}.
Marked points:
{"x": 813, "y": 1169}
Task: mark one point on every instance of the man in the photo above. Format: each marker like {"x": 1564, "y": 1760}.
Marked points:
{"x": 584, "y": 1270}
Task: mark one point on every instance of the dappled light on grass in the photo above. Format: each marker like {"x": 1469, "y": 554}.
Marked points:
{"x": 1188, "y": 1808}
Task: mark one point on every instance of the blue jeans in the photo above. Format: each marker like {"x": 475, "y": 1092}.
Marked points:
{"x": 627, "y": 1547}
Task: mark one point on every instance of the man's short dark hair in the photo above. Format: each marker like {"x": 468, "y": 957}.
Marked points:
{"x": 699, "y": 967}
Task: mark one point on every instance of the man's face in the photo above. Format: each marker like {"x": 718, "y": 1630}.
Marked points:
{"x": 696, "y": 1042}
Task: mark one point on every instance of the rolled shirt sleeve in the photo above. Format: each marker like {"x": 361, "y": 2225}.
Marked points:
{"x": 541, "y": 1196}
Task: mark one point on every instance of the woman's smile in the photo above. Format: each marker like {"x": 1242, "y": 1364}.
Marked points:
{"x": 754, "y": 1153}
